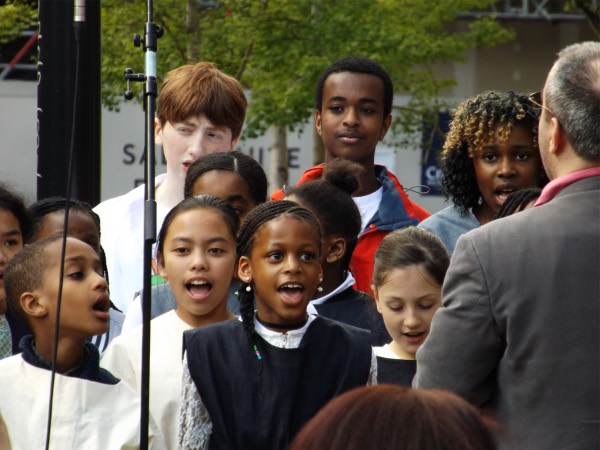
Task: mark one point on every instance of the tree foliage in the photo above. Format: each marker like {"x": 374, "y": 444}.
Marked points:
{"x": 15, "y": 17}
{"x": 278, "y": 48}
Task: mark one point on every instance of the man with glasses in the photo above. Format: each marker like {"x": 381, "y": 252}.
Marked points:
{"x": 519, "y": 333}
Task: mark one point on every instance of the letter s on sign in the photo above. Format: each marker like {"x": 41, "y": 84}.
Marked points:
{"x": 127, "y": 150}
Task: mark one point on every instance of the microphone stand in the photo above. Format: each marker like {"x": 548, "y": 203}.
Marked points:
{"x": 152, "y": 33}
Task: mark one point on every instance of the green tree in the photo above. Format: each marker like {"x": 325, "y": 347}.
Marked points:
{"x": 277, "y": 48}
{"x": 15, "y": 17}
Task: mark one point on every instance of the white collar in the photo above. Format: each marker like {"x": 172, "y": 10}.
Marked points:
{"x": 349, "y": 281}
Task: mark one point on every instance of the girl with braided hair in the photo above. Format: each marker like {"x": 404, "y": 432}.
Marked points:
{"x": 490, "y": 151}
{"x": 252, "y": 383}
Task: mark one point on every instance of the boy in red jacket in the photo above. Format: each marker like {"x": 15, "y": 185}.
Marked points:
{"x": 352, "y": 114}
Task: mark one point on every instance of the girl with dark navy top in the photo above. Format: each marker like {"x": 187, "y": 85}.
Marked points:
{"x": 252, "y": 383}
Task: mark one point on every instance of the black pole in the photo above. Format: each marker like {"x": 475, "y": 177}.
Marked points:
{"x": 56, "y": 75}
{"x": 151, "y": 34}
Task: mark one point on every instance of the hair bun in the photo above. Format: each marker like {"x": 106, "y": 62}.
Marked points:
{"x": 343, "y": 174}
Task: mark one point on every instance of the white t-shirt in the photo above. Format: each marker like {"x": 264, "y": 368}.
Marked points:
{"x": 122, "y": 238}
{"x": 368, "y": 205}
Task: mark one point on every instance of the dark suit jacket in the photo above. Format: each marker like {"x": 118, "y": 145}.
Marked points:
{"x": 519, "y": 330}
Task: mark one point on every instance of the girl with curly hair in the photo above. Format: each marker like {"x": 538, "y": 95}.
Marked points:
{"x": 490, "y": 151}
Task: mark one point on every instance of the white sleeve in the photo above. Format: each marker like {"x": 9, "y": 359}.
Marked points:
{"x": 134, "y": 317}
{"x": 372, "y": 381}
{"x": 195, "y": 426}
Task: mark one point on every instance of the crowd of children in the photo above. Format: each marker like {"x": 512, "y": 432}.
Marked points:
{"x": 263, "y": 312}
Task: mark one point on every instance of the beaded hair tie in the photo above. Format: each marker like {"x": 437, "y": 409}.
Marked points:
{"x": 257, "y": 353}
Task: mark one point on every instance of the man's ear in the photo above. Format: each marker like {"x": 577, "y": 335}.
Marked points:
{"x": 385, "y": 126}
{"x": 557, "y": 137}
{"x": 32, "y": 304}
{"x": 244, "y": 269}
{"x": 336, "y": 247}
{"x": 375, "y": 296}
{"x": 318, "y": 121}
{"x": 158, "y": 129}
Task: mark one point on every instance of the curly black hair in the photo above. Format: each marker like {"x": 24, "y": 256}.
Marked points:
{"x": 473, "y": 121}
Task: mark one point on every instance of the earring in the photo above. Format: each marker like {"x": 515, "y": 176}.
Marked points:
{"x": 320, "y": 289}
{"x": 248, "y": 288}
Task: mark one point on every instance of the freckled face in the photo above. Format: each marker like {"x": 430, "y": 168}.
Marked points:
{"x": 407, "y": 300}
{"x": 184, "y": 142}
{"x": 351, "y": 121}
{"x": 285, "y": 269}
{"x": 505, "y": 167}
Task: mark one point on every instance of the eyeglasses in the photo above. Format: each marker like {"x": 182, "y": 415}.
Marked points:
{"x": 536, "y": 99}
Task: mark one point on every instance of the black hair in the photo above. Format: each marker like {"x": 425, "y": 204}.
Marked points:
{"x": 25, "y": 272}
{"x": 42, "y": 208}
{"x": 357, "y": 64}
{"x": 517, "y": 200}
{"x": 408, "y": 247}
{"x": 246, "y": 166}
{"x": 259, "y": 216}
{"x": 473, "y": 122}
{"x": 330, "y": 199}
{"x": 204, "y": 201}
{"x": 13, "y": 203}
{"x": 46, "y": 206}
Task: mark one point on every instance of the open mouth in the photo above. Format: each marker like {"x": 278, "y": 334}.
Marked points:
{"x": 198, "y": 288}
{"x": 291, "y": 293}
{"x": 502, "y": 195}
{"x": 414, "y": 337}
{"x": 101, "y": 305}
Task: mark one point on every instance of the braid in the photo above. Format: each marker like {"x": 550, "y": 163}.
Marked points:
{"x": 259, "y": 216}
{"x": 516, "y": 201}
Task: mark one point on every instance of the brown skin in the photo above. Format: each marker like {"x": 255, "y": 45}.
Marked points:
{"x": 83, "y": 287}
{"x": 351, "y": 122}
{"x": 333, "y": 250}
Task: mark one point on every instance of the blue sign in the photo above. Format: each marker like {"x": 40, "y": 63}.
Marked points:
{"x": 433, "y": 141}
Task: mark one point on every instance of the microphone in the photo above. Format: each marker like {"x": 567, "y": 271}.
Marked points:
{"x": 79, "y": 17}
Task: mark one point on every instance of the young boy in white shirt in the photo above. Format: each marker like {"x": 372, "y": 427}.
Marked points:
{"x": 91, "y": 408}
